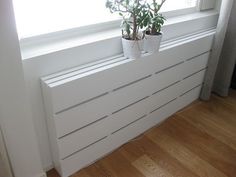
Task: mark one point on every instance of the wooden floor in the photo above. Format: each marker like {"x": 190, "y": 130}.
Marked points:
{"x": 199, "y": 141}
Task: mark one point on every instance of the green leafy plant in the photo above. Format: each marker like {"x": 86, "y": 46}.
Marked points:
{"x": 133, "y": 14}
{"x": 153, "y": 19}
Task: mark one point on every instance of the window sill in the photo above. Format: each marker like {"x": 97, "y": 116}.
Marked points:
{"x": 173, "y": 28}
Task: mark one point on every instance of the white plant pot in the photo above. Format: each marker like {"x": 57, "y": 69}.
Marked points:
{"x": 132, "y": 49}
{"x": 152, "y": 43}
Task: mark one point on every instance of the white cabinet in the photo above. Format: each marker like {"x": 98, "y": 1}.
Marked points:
{"x": 92, "y": 110}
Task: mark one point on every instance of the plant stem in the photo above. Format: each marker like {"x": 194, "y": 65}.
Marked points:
{"x": 135, "y": 27}
{"x": 156, "y": 10}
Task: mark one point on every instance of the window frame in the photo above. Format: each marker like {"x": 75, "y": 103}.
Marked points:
{"x": 94, "y": 28}
{"x": 84, "y": 30}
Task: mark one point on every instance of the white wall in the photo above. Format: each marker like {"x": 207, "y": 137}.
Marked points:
{"x": 15, "y": 114}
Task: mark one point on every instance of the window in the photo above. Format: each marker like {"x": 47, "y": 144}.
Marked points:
{"x": 171, "y": 5}
{"x": 35, "y": 17}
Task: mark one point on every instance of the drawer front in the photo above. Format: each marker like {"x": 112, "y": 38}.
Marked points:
{"x": 82, "y": 138}
{"x": 98, "y": 108}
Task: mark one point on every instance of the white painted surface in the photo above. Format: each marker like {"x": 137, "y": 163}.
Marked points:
{"x": 74, "y": 40}
{"x": 126, "y": 134}
{"x": 186, "y": 50}
{"x": 170, "y": 78}
{"x": 116, "y": 140}
{"x": 194, "y": 64}
{"x": 87, "y": 52}
{"x": 16, "y": 118}
{"x": 68, "y": 121}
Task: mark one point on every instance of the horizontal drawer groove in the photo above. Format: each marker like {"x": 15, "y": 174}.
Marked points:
{"x": 126, "y": 85}
{"x": 84, "y": 148}
{"x": 52, "y": 76}
{"x": 192, "y": 58}
{"x": 89, "y": 73}
{"x": 115, "y": 102}
{"x": 131, "y": 104}
{"x": 185, "y": 38}
{"x": 169, "y": 67}
{"x": 91, "y": 99}
{"x": 163, "y": 105}
{"x": 83, "y": 72}
{"x": 191, "y": 90}
{"x": 194, "y": 73}
{"x": 117, "y": 121}
{"x": 82, "y": 69}
{"x": 132, "y": 83}
{"x": 166, "y": 87}
{"x": 129, "y": 124}
{"x": 83, "y": 127}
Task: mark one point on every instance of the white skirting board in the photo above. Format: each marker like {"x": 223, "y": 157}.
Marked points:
{"x": 94, "y": 109}
{"x": 41, "y": 175}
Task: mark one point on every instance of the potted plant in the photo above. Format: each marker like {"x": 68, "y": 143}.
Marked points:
{"x": 153, "y": 22}
{"x": 132, "y": 13}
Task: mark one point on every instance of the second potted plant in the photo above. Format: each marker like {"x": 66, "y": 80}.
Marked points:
{"x": 154, "y": 21}
{"x": 133, "y": 14}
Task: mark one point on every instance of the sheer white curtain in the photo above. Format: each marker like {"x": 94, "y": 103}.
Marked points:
{"x": 225, "y": 11}
{"x": 227, "y": 59}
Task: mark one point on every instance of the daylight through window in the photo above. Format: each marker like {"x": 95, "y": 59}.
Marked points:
{"x": 35, "y": 17}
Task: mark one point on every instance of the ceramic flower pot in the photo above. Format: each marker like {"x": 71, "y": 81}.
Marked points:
{"x": 152, "y": 43}
{"x": 132, "y": 48}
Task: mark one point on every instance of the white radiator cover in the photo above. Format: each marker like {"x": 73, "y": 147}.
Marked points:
{"x": 95, "y": 108}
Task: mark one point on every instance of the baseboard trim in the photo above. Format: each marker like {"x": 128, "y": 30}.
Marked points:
{"x": 41, "y": 175}
{"x": 49, "y": 167}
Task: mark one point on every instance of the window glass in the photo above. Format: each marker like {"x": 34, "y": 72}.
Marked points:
{"x": 178, "y": 4}
{"x": 35, "y": 17}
